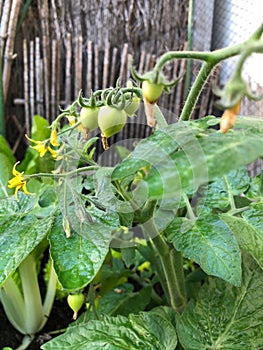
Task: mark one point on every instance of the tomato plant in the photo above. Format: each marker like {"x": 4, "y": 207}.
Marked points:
{"x": 166, "y": 245}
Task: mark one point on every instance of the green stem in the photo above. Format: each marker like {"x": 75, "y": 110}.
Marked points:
{"x": 196, "y": 90}
{"x": 173, "y": 273}
{"x": 211, "y": 59}
{"x": 34, "y": 315}
{"x": 230, "y": 195}
{"x": 189, "y": 208}
{"x": 189, "y": 44}
{"x": 58, "y": 176}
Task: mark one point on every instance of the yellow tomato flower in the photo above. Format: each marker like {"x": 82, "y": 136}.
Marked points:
{"x": 54, "y": 137}
{"x": 18, "y": 181}
{"x": 71, "y": 120}
{"x": 42, "y": 148}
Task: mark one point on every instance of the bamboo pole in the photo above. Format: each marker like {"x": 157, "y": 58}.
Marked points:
{"x": 9, "y": 47}
{"x": 31, "y": 79}
{"x": 89, "y": 76}
{"x": 53, "y": 78}
{"x": 4, "y": 25}
{"x": 68, "y": 70}
{"x": 123, "y": 67}
{"x": 113, "y": 66}
{"x": 106, "y": 66}
{"x": 96, "y": 67}
{"x": 39, "y": 78}
{"x": 26, "y": 87}
{"x": 78, "y": 66}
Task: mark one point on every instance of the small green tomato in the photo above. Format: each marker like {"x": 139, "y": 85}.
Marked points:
{"x": 133, "y": 106}
{"x": 111, "y": 120}
{"x": 75, "y": 302}
{"x": 89, "y": 117}
{"x": 150, "y": 91}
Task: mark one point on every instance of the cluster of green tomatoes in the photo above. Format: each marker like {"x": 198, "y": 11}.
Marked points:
{"x": 109, "y": 110}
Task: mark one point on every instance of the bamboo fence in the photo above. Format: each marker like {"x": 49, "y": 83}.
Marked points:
{"x": 67, "y": 46}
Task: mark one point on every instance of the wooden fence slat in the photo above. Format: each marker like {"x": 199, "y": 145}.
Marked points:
{"x": 114, "y": 60}
{"x": 123, "y": 66}
{"x": 68, "y": 76}
{"x": 78, "y": 66}
{"x": 39, "y": 78}
{"x": 106, "y": 66}
{"x": 89, "y": 77}
{"x": 96, "y": 67}
{"x": 53, "y": 99}
{"x": 26, "y": 87}
{"x": 31, "y": 78}
{"x": 46, "y": 75}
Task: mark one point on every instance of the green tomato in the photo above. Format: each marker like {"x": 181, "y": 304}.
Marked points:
{"x": 151, "y": 92}
{"x": 111, "y": 120}
{"x": 133, "y": 106}
{"x": 89, "y": 117}
{"x": 75, "y": 301}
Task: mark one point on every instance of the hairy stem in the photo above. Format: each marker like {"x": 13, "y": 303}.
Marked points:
{"x": 171, "y": 262}
{"x": 196, "y": 90}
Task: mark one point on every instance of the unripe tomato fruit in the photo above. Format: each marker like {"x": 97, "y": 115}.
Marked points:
{"x": 111, "y": 120}
{"x": 151, "y": 92}
{"x": 89, "y": 117}
{"x": 133, "y": 107}
{"x": 75, "y": 301}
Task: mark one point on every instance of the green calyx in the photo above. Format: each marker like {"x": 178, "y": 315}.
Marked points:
{"x": 155, "y": 77}
{"x": 87, "y": 102}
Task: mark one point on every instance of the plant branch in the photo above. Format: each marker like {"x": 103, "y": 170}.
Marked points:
{"x": 196, "y": 90}
{"x": 173, "y": 275}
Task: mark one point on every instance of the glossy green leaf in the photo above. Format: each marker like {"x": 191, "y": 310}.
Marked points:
{"x": 209, "y": 242}
{"x": 105, "y": 192}
{"x": 20, "y": 233}
{"x": 248, "y": 234}
{"x": 12, "y": 207}
{"x": 5, "y": 175}
{"x": 152, "y": 330}
{"x": 249, "y": 122}
{"x": 78, "y": 258}
{"x": 220, "y": 191}
{"x": 225, "y": 317}
{"x": 40, "y": 129}
{"x": 122, "y": 300}
{"x": 5, "y": 149}
{"x": 7, "y": 160}
{"x": 156, "y": 147}
{"x": 255, "y": 190}
{"x": 200, "y": 161}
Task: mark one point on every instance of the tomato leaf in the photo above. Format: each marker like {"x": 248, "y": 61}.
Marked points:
{"x": 224, "y": 316}
{"x": 20, "y": 232}
{"x": 152, "y": 330}
{"x": 248, "y": 234}
{"x": 160, "y": 144}
{"x": 209, "y": 242}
